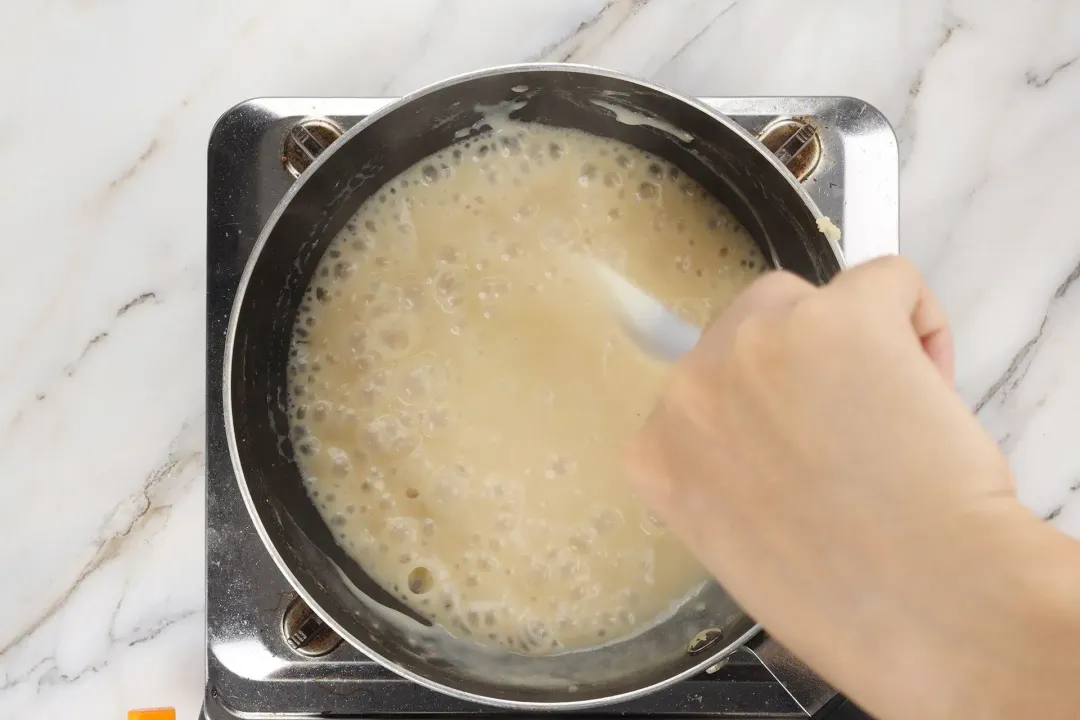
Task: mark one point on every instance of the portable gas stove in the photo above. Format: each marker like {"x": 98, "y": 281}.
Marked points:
{"x": 267, "y": 656}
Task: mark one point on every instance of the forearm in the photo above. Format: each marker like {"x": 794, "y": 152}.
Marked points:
{"x": 1002, "y": 643}
{"x": 1040, "y": 676}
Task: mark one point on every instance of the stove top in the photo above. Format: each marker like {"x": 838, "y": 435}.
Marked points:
{"x": 844, "y": 151}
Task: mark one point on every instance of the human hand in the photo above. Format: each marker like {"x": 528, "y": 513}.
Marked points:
{"x": 811, "y": 451}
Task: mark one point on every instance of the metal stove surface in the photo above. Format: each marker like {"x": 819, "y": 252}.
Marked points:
{"x": 251, "y": 670}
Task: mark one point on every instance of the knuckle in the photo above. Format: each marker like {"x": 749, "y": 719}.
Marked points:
{"x": 694, "y": 394}
{"x": 750, "y": 337}
{"x": 755, "y": 346}
{"x": 779, "y": 282}
{"x": 892, "y": 266}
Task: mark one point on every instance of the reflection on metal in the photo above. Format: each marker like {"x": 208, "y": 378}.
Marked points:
{"x": 802, "y": 683}
{"x": 305, "y": 633}
{"x": 704, "y": 640}
{"x": 305, "y": 142}
{"x": 796, "y": 144}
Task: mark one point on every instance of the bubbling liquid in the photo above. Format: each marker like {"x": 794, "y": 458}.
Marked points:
{"x": 459, "y": 394}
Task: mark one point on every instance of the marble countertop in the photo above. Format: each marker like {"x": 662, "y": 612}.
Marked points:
{"x": 106, "y": 114}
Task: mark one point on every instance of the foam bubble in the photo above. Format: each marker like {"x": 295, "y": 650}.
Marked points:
{"x": 387, "y": 502}
{"x": 435, "y": 420}
{"x": 319, "y": 411}
{"x": 494, "y": 288}
{"x": 512, "y": 251}
{"x": 449, "y": 254}
{"x": 588, "y": 175}
{"x": 525, "y": 212}
{"x": 420, "y": 581}
{"x": 583, "y": 539}
{"x": 429, "y": 175}
{"x": 340, "y": 460}
{"x": 647, "y": 191}
{"x": 603, "y": 521}
{"x": 448, "y": 286}
{"x": 560, "y": 467}
{"x": 395, "y": 335}
{"x": 510, "y": 146}
{"x": 506, "y": 522}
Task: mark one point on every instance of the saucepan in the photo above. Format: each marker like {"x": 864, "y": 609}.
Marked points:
{"x": 715, "y": 151}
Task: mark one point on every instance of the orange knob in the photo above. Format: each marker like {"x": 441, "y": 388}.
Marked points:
{"x": 152, "y": 714}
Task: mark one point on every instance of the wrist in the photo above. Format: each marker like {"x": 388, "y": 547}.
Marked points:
{"x": 1028, "y": 626}
{"x": 994, "y": 630}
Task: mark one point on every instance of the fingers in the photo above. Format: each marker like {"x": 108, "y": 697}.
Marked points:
{"x": 644, "y": 458}
{"x": 894, "y": 282}
{"x": 772, "y": 292}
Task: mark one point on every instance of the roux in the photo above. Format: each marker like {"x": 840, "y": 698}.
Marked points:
{"x": 459, "y": 393}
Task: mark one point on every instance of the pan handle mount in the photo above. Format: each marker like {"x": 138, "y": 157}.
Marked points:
{"x": 804, "y": 686}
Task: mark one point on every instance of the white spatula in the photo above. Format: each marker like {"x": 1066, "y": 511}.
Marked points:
{"x": 656, "y": 329}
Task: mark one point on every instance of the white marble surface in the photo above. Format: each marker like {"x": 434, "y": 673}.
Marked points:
{"x": 104, "y": 118}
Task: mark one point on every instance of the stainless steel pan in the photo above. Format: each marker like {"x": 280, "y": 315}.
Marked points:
{"x": 715, "y": 151}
